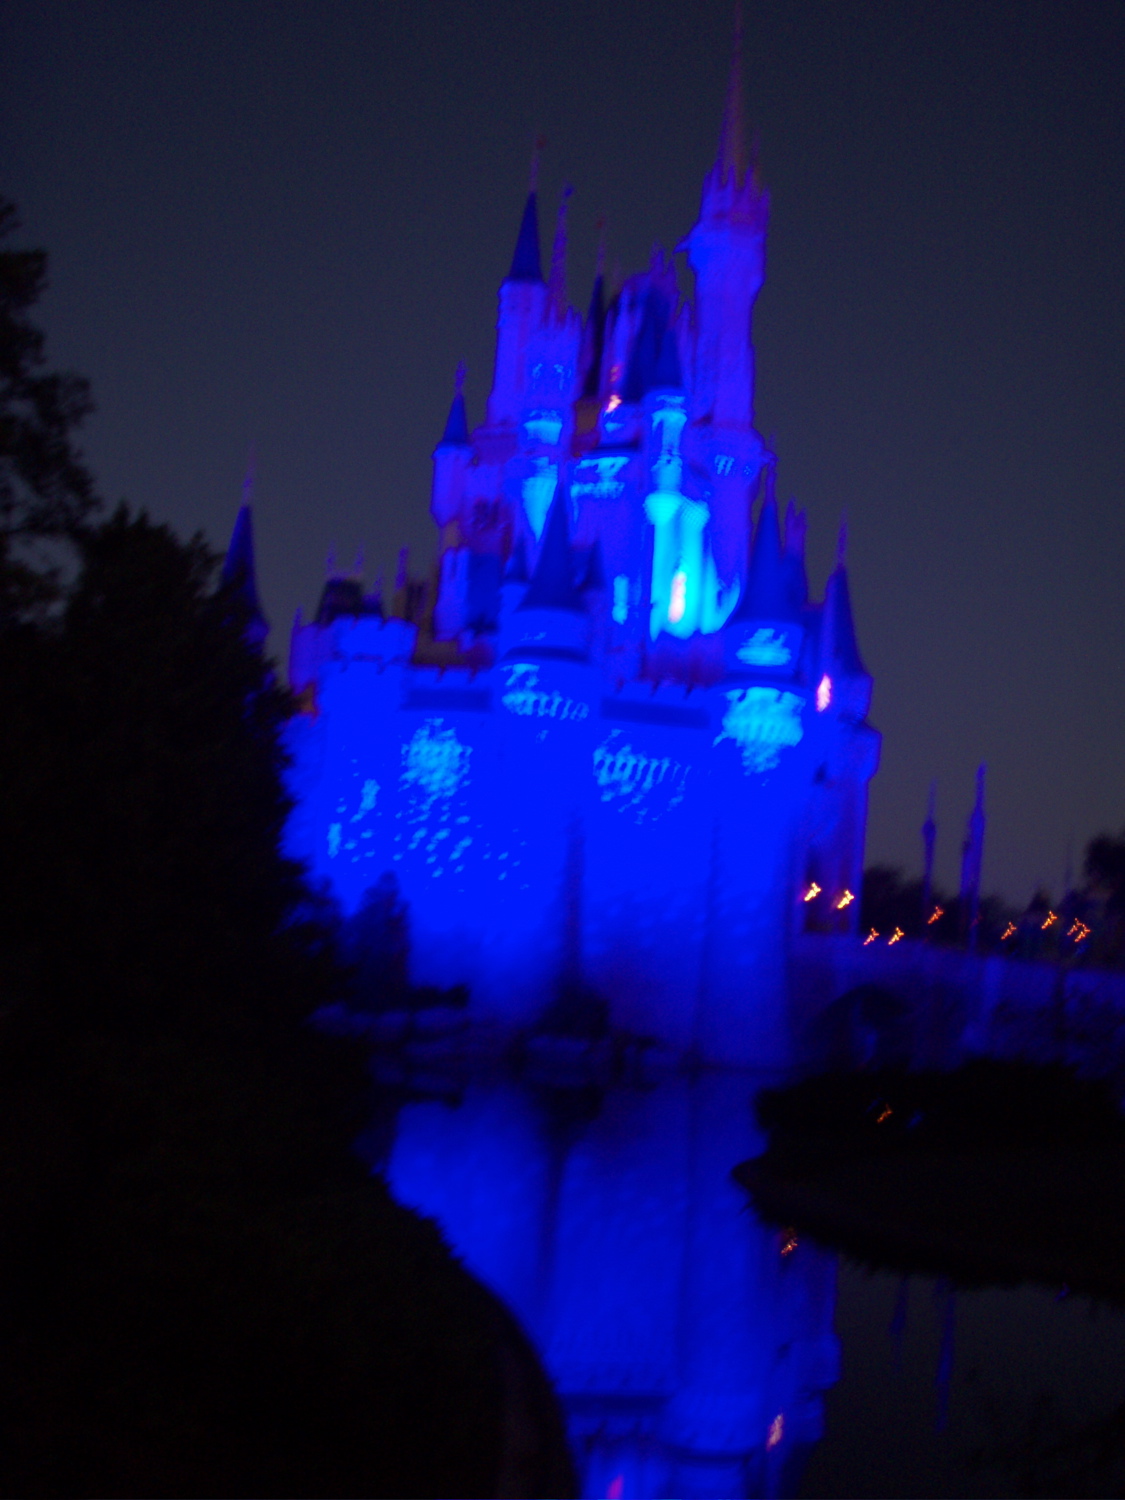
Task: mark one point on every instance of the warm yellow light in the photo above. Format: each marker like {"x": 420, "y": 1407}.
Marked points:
{"x": 935, "y": 916}
{"x": 870, "y": 938}
{"x": 812, "y": 893}
{"x": 613, "y": 403}
{"x": 845, "y": 900}
{"x": 1008, "y": 932}
{"x": 896, "y": 936}
{"x": 1052, "y": 917}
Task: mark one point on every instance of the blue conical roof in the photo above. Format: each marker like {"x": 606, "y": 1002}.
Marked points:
{"x": 456, "y": 434}
{"x": 552, "y": 584}
{"x": 838, "y": 601}
{"x": 527, "y": 264}
{"x": 239, "y": 574}
{"x": 516, "y": 571}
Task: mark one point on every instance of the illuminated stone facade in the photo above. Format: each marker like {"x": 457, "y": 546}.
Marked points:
{"x": 611, "y": 746}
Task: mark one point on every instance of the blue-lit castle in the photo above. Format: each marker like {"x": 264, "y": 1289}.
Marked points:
{"x": 611, "y": 748}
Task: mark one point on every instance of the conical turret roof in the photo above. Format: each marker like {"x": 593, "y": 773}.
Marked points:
{"x": 527, "y": 263}
{"x": 552, "y": 584}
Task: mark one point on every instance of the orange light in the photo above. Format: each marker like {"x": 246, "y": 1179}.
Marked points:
{"x": 845, "y": 900}
{"x": 1008, "y": 932}
{"x": 935, "y": 916}
{"x": 870, "y": 938}
{"x": 789, "y": 1244}
{"x": 1078, "y": 931}
{"x": 812, "y": 893}
{"x": 777, "y": 1431}
{"x": 1052, "y": 918}
{"x": 896, "y": 936}
{"x": 887, "y": 1111}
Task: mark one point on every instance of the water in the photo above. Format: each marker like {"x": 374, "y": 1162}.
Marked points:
{"x": 700, "y": 1353}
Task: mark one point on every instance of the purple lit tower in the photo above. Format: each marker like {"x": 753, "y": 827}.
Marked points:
{"x": 610, "y": 742}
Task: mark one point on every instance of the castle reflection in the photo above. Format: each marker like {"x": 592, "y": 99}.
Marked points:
{"x": 690, "y": 1345}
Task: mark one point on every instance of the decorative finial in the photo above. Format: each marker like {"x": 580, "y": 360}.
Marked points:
{"x": 556, "y": 288}
{"x": 842, "y": 543}
{"x": 537, "y": 146}
{"x": 732, "y": 139}
{"x": 251, "y": 476}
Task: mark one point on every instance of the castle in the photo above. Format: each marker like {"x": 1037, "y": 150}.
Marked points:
{"x": 611, "y": 747}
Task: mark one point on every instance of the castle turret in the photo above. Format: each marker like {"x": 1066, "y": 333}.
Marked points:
{"x": 239, "y": 574}
{"x": 551, "y": 619}
{"x": 841, "y": 663}
{"x": 726, "y": 249}
{"x": 451, "y": 457}
{"x": 765, "y": 633}
{"x": 523, "y": 296}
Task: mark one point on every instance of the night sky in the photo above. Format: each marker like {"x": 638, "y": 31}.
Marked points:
{"x": 281, "y": 225}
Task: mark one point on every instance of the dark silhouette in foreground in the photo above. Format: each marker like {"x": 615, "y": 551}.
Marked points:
{"x": 203, "y": 1290}
{"x": 994, "y": 1173}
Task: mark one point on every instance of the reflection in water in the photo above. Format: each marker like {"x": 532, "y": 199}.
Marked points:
{"x": 690, "y": 1345}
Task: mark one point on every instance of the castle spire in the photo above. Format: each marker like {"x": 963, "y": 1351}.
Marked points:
{"x": 732, "y": 136}
{"x": 838, "y": 620}
{"x": 527, "y": 264}
{"x": 552, "y": 584}
{"x": 456, "y": 434}
{"x": 239, "y": 574}
{"x": 556, "y": 286}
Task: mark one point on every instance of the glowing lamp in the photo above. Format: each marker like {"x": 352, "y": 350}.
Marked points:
{"x": 620, "y": 599}
{"x": 823, "y": 693}
{"x": 812, "y": 893}
{"x": 677, "y": 602}
{"x": 935, "y": 916}
{"x": 845, "y": 900}
{"x": 871, "y": 936}
{"x": 777, "y": 1431}
{"x": 1008, "y": 932}
{"x": 1052, "y": 918}
{"x": 896, "y": 937}
{"x": 613, "y": 403}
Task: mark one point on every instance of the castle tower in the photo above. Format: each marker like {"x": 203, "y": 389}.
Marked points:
{"x": 523, "y": 300}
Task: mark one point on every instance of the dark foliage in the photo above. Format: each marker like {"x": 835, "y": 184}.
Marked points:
{"x": 46, "y": 492}
{"x": 986, "y": 1102}
{"x": 203, "y": 1290}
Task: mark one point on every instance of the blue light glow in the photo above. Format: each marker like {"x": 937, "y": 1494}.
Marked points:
{"x": 523, "y": 695}
{"x": 538, "y": 492}
{"x": 543, "y": 427}
{"x": 629, "y": 779}
{"x": 765, "y": 648}
{"x": 434, "y": 762}
{"x": 596, "y": 478}
{"x": 621, "y": 598}
{"x": 763, "y": 722}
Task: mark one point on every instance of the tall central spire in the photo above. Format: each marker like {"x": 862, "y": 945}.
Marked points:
{"x": 732, "y": 139}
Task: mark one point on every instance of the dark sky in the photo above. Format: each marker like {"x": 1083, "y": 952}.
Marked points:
{"x": 282, "y": 224}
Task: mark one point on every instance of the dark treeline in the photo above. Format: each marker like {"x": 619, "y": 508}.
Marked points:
{"x": 202, "y": 1289}
{"x": 1087, "y": 926}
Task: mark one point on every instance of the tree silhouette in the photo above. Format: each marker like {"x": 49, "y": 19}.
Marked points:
{"x": 204, "y": 1290}
{"x": 46, "y": 492}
